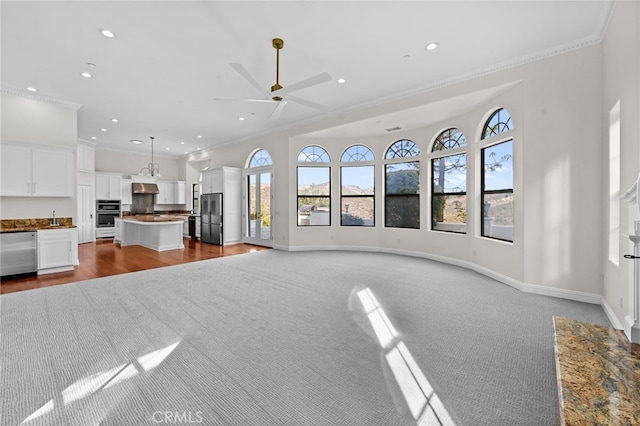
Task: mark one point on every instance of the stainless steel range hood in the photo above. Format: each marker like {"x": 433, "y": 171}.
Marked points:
{"x": 144, "y": 188}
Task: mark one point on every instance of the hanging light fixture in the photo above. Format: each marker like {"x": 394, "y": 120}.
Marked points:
{"x": 152, "y": 169}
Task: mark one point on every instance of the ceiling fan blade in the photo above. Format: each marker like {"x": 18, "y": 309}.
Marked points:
{"x": 311, "y": 81}
{"x": 247, "y": 76}
{"x": 306, "y": 103}
{"x": 278, "y": 110}
{"x": 244, "y": 100}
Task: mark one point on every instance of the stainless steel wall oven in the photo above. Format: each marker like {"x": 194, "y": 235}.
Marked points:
{"x": 106, "y": 213}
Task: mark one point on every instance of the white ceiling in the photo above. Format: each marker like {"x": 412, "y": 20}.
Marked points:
{"x": 170, "y": 59}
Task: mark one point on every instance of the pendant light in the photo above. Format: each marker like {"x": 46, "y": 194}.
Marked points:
{"x": 152, "y": 169}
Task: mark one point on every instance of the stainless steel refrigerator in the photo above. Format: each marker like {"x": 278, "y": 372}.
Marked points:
{"x": 211, "y": 218}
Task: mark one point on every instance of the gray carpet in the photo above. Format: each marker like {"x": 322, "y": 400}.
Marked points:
{"x": 278, "y": 338}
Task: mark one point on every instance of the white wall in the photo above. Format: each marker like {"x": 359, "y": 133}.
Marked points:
{"x": 34, "y": 120}
{"x": 621, "y": 63}
{"x": 556, "y": 108}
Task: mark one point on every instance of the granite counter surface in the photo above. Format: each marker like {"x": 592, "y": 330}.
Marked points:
{"x": 154, "y": 218}
{"x": 598, "y": 373}
{"x": 21, "y": 225}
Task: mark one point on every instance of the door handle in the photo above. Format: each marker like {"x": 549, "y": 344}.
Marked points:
{"x": 630, "y": 256}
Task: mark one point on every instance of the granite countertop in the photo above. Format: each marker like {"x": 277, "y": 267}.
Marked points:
{"x": 154, "y": 218}
{"x": 598, "y": 372}
{"x": 22, "y": 225}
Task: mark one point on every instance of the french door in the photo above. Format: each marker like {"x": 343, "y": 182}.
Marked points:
{"x": 257, "y": 228}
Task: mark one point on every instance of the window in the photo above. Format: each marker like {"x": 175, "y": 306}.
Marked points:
{"x": 357, "y": 188}
{"x": 497, "y": 179}
{"x": 260, "y": 158}
{"x": 314, "y": 188}
{"x": 402, "y": 186}
{"x": 449, "y": 186}
{"x": 499, "y": 122}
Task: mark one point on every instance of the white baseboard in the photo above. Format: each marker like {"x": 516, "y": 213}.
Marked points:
{"x": 578, "y": 296}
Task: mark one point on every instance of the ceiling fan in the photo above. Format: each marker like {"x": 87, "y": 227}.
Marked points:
{"x": 278, "y": 93}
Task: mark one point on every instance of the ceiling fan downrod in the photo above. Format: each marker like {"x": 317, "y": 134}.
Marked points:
{"x": 278, "y": 44}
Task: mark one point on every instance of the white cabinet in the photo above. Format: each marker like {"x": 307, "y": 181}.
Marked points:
{"x": 180, "y": 192}
{"x": 212, "y": 180}
{"x": 171, "y": 192}
{"x": 85, "y": 158}
{"x": 127, "y": 197}
{"x": 117, "y": 236}
{"x": 165, "y": 192}
{"x": 108, "y": 186}
{"x": 57, "y": 250}
{"x": 36, "y": 172}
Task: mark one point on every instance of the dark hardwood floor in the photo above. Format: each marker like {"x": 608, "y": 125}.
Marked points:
{"x": 103, "y": 258}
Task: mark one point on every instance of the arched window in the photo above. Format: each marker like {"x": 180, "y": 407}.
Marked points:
{"x": 314, "y": 154}
{"x": 449, "y": 185}
{"x": 402, "y": 185}
{"x": 260, "y": 158}
{"x": 314, "y": 187}
{"x": 357, "y": 187}
{"x": 497, "y": 178}
{"x": 498, "y": 122}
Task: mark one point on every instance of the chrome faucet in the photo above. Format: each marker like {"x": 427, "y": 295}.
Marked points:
{"x": 54, "y": 222}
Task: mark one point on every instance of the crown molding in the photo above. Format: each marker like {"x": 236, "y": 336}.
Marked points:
{"x": 41, "y": 98}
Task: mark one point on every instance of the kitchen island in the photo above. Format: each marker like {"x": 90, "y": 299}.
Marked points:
{"x": 160, "y": 233}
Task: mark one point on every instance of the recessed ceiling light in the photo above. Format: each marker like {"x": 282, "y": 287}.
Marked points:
{"x": 137, "y": 141}
{"x": 32, "y": 89}
{"x": 341, "y": 80}
{"x": 241, "y": 118}
{"x": 432, "y": 46}
{"x": 115, "y": 120}
{"x": 182, "y": 143}
{"x": 103, "y": 130}
{"x": 107, "y": 33}
{"x": 199, "y": 136}
{"x": 91, "y": 64}
{"x": 186, "y": 152}
{"x": 86, "y": 74}
{"x": 167, "y": 148}
{"x": 93, "y": 137}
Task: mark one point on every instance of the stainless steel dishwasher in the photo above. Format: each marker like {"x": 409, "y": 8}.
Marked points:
{"x": 18, "y": 253}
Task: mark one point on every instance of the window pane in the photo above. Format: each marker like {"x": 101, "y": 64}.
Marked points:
{"x": 450, "y": 174}
{"x": 313, "y": 181}
{"x": 449, "y": 139}
{"x": 260, "y": 158}
{"x": 402, "y": 211}
{"x": 449, "y": 213}
{"x": 498, "y": 216}
{"x": 357, "y": 180}
{"x": 402, "y": 148}
{"x": 499, "y": 122}
{"x": 357, "y": 211}
{"x": 498, "y": 166}
{"x": 314, "y": 211}
{"x": 357, "y": 153}
{"x": 402, "y": 178}
{"x": 313, "y": 154}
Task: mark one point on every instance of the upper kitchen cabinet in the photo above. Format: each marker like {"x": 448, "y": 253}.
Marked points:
{"x": 171, "y": 192}
{"x": 85, "y": 158}
{"x": 29, "y": 171}
{"x": 127, "y": 196}
{"x": 108, "y": 186}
